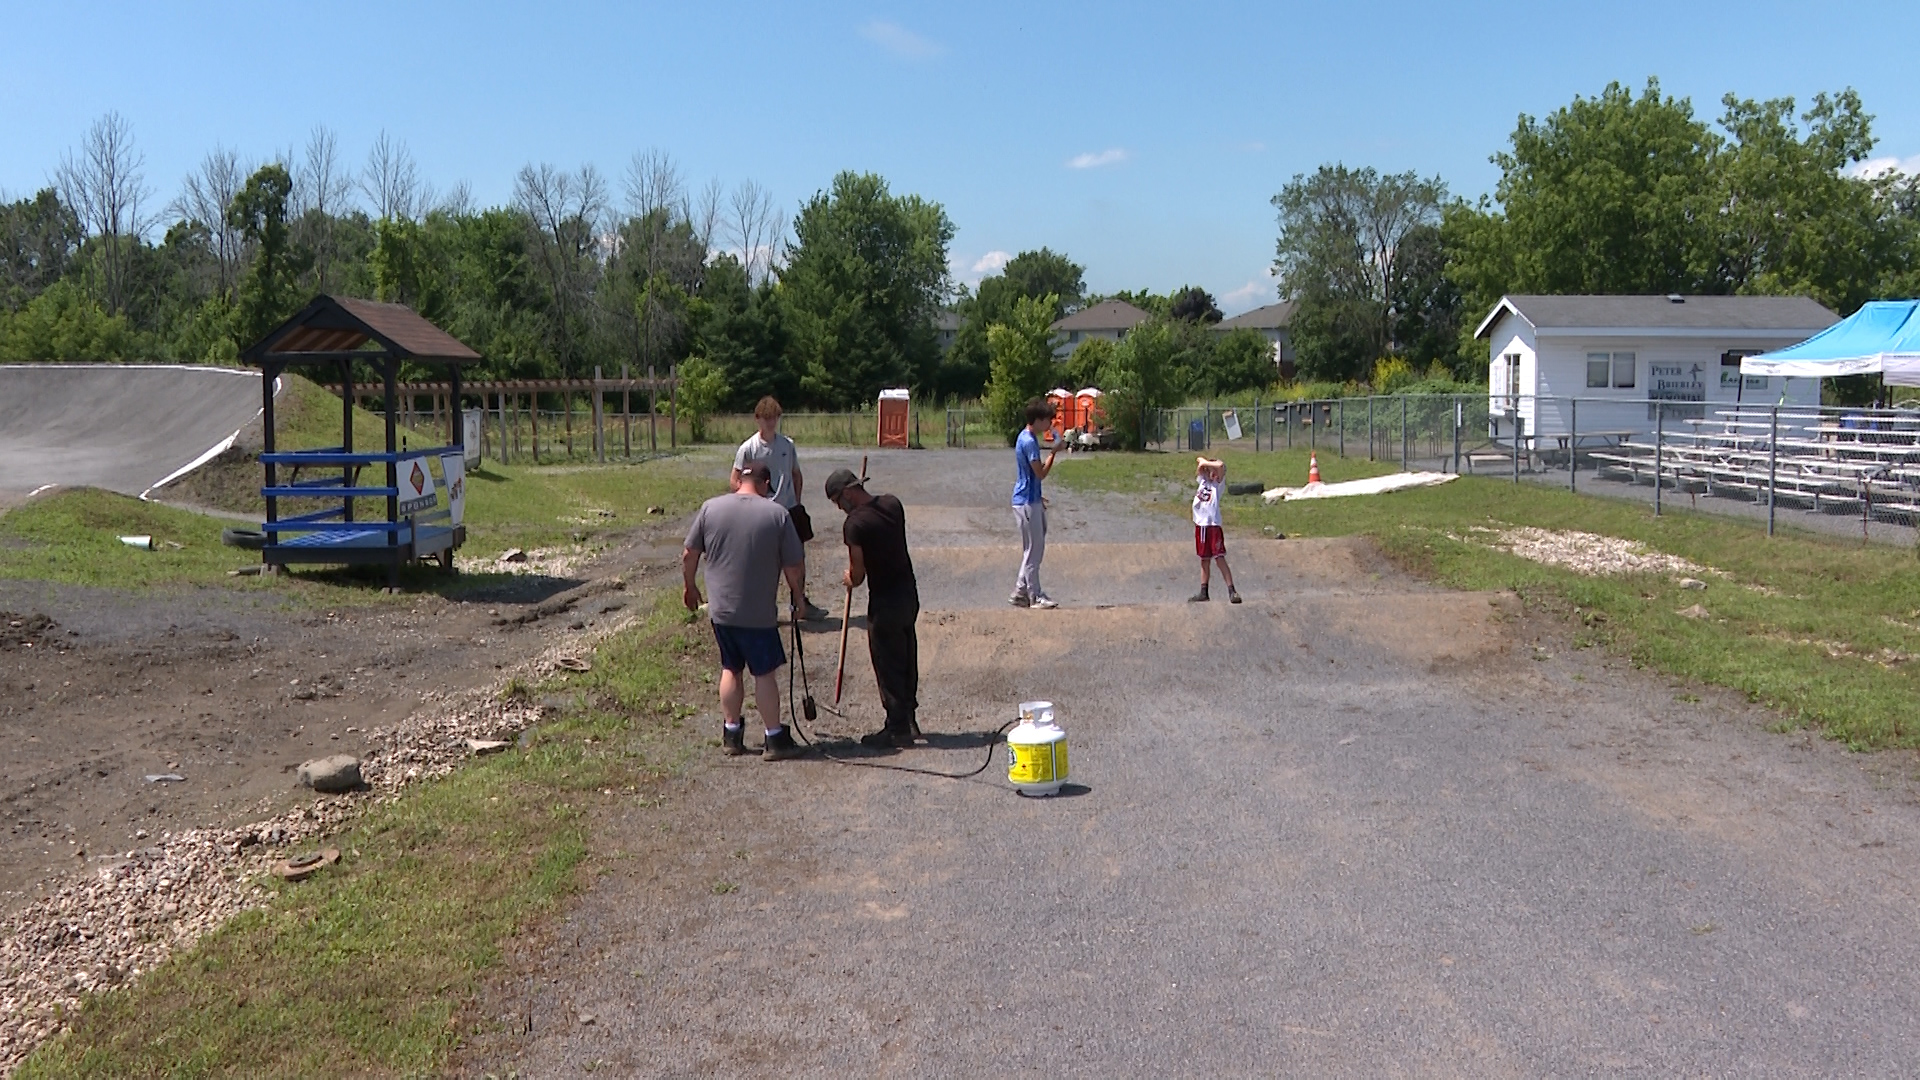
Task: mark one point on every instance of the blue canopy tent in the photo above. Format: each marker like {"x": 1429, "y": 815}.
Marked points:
{"x": 1882, "y": 338}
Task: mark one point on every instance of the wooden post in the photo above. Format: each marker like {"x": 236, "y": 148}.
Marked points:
{"x": 653, "y": 411}
{"x": 346, "y": 431}
{"x": 673, "y": 406}
{"x": 626, "y": 409}
{"x": 501, "y": 400}
{"x": 566, "y": 397}
{"x": 599, "y": 431}
{"x": 533, "y": 418}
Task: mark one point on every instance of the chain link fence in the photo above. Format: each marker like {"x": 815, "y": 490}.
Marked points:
{"x": 1835, "y": 463}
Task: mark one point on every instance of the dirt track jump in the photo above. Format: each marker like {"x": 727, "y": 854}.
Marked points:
{"x": 127, "y": 428}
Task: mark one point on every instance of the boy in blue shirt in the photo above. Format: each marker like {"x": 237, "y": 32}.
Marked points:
{"x": 1030, "y": 507}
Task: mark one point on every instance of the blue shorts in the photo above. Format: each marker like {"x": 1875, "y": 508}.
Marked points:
{"x": 756, "y": 649}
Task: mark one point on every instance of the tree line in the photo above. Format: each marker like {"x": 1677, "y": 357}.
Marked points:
{"x": 1614, "y": 194}
{"x": 575, "y": 272}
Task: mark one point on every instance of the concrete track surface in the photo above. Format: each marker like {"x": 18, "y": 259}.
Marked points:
{"x": 123, "y": 427}
{"x": 1355, "y": 827}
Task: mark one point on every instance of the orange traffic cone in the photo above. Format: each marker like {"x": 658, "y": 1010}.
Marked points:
{"x": 1313, "y": 468}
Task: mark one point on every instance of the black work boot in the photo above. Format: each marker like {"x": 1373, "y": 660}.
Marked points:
{"x": 780, "y": 746}
{"x": 892, "y": 737}
{"x": 733, "y": 741}
{"x": 1200, "y": 597}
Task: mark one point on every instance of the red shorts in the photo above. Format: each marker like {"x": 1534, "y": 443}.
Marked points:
{"x": 1209, "y": 542}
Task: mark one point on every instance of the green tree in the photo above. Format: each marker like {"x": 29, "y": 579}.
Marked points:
{"x": 64, "y": 323}
{"x": 867, "y": 272}
{"x": 1089, "y": 359}
{"x": 1241, "y": 359}
{"x": 1030, "y": 274}
{"x": 703, "y": 387}
{"x": 743, "y": 334}
{"x": 259, "y": 212}
{"x": 1194, "y": 304}
{"x": 1338, "y": 257}
{"x": 1789, "y": 220}
{"x": 38, "y": 240}
{"x": 1022, "y": 367}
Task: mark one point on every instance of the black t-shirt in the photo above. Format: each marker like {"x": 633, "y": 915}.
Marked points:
{"x": 879, "y": 530}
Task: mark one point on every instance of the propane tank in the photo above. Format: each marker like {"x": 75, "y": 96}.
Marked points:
{"x": 1036, "y": 751}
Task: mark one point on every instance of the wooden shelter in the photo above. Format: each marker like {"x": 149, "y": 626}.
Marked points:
{"x": 334, "y": 333}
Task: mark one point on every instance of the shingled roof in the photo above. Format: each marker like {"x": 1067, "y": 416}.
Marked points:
{"x": 1571, "y": 313}
{"x": 1270, "y": 317}
{"x": 332, "y": 326}
{"x": 1105, "y": 315}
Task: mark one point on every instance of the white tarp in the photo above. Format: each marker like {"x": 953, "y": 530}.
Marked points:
{"x": 1375, "y": 485}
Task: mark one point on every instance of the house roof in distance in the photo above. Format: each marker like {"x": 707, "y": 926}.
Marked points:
{"x": 1672, "y": 312}
{"x": 1270, "y": 317}
{"x": 331, "y": 326}
{"x": 1105, "y": 315}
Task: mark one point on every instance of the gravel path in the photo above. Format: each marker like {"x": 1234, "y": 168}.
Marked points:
{"x": 1356, "y": 826}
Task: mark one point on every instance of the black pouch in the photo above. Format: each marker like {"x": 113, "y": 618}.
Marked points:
{"x": 802, "y": 522}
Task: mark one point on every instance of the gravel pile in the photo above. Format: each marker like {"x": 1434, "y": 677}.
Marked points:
{"x": 136, "y": 907}
{"x": 1587, "y": 553}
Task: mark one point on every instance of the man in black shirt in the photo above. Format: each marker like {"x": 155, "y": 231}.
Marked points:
{"x": 876, "y": 536}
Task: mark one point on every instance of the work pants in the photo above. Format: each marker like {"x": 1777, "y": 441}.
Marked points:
{"x": 1033, "y": 547}
{"x": 895, "y": 649}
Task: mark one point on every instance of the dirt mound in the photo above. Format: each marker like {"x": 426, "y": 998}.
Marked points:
{"x": 25, "y": 631}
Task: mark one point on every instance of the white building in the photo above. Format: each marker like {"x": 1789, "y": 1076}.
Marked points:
{"x": 1620, "y": 354}
{"x": 1108, "y": 320}
{"x": 1271, "y": 321}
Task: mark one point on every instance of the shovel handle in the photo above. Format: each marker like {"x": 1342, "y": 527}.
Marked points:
{"x": 846, "y": 620}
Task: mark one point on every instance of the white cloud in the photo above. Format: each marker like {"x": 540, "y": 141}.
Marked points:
{"x": 1880, "y": 165}
{"x": 900, "y": 41}
{"x": 991, "y": 262}
{"x": 1094, "y": 161}
{"x": 1246, "y": 294}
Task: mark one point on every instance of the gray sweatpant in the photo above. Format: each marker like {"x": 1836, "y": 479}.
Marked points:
{"x": 1032, "y": 518}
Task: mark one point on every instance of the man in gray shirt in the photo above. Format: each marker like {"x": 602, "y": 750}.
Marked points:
{"x": 749, "y": 544}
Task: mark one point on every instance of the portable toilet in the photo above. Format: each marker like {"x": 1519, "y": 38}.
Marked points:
{"x": 1086, "y": 408}
{"x": 1062, "y": 401}
{"x": 895, "y": 409}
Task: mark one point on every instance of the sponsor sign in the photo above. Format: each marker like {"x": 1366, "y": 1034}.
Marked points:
{"x": 1677, "y": 382}
{"x": 416, "y": 485}
{"x": 454, "y": 466}
{"x": 471, "y": 422}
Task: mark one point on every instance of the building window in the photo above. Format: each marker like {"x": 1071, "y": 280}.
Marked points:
{"x": 1623, "y": 364}
{"x": 1512, "y": 366}
{"x": 1610, "y": 369}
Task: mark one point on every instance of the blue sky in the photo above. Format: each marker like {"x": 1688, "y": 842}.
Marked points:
{"x": 1145, "y": 141}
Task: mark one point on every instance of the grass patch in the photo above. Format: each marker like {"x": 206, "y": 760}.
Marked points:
{"x": 367, "y": 968}
{"x": 72, "y": 536}
{"x": 1818, "y": 628}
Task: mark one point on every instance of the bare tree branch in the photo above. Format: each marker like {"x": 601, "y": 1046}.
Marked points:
{"x": 391, "y": 181}
{"x": 204, "y": 197}
{"x": 753, "y": 228}
{"x": 104, "y": 185}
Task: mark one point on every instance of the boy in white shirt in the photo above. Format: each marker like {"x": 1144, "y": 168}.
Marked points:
{"x": 1209, "y": 540}
{"x": 767, "y": 446}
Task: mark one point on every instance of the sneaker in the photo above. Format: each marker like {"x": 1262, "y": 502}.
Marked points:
{"x": 781, "y": 747}
{"x": 733, "y": 741}
{"x": 1020, "y": 600}
{"x": 1045, "y": 603}
{"x": 1200, "y": 597}
{"x": 1233, "y": 596}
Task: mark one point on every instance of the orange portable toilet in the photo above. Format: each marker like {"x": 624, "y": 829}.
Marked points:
{"x": 1062, "y": 401}
{"x": 895, "y": 410}
{"x": 1087, "y": 408}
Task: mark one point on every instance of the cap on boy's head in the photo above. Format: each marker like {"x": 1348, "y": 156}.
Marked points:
{"x": 841, "y": 480}
{"x": 757, "y": 473}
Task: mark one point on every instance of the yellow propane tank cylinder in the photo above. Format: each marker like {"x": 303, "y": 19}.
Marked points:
{"x": 1036, "y": 751}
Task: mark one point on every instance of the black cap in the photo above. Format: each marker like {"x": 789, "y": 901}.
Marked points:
{"x": 841, "y": 480}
